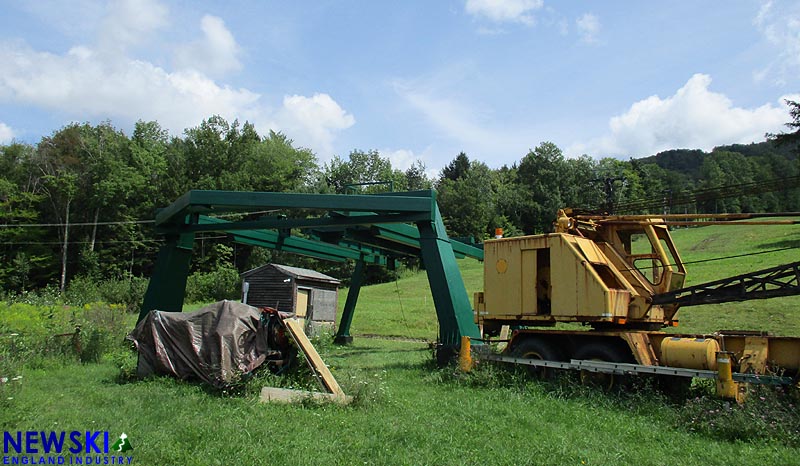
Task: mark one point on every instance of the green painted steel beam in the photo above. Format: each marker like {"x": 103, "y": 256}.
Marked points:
{"x": 404, "y": 233}
{"x": 356, "y": 280}
{"x": 273, "y": 240}
{"x": 288, "y": 223}
{"x": 167, "y": 285}
{"x": 383, "y": 244}
{"x": 467, "y": 250}
{"x": 453, "y": 307}
{"x": 299, "y": 246}
{"x": 199, "y": 201}
{"x": 386, "y": 232}
{"x": 249, "y": 240}
{"x": 307, "y": 247}
{"x": 409, "y": 234}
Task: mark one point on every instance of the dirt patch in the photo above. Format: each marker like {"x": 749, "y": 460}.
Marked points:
{"x": 707, "y": 243}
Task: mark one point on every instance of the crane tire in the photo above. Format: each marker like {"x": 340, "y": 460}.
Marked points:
{"x": 537, "y": 348}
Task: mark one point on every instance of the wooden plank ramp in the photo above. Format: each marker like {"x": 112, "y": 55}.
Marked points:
{"x": 295, "y": 327}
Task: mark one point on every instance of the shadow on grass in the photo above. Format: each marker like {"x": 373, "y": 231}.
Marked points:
{"x": 785, "y": 243}
{"x": 358, "y": 351}
{"x": 421, "y": 366}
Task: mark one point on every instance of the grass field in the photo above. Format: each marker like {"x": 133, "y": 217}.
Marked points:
{"x": 407, "y": 416}
{"x": 408, "y": 412}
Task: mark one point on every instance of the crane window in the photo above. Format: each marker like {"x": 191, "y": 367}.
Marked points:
{"x": 645, "y": 259}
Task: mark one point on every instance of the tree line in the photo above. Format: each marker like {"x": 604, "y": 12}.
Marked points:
{"x": 80, "y": 202}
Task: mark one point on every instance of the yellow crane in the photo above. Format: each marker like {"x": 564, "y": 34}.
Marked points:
{"x": 623, "y": 277}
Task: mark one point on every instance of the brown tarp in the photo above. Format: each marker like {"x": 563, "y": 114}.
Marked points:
{"x": 217, "y": 344}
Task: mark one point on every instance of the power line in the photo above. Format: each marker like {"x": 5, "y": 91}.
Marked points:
{"x": 119, "y": 222}
{"x": 740, "y": 255}
{"x": 711, "y": 194}
{"x": 699, "y": 261}
{"x": 78, "y": 224}
{"x": 12, "y": 243}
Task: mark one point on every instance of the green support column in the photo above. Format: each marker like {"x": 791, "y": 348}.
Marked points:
{"x": 453, "y": 307}
{"x": 167, "y": 285}
{"x": 343, "y": 333}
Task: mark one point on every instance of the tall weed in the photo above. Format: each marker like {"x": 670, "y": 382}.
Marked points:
{"x": 34, "y": 332}
{"x": 769, "y": 413}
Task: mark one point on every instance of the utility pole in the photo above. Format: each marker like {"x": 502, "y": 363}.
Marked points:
{"x": 608, "y": 189}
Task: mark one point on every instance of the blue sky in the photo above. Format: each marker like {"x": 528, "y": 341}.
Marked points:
{"x": 414, "y": 79}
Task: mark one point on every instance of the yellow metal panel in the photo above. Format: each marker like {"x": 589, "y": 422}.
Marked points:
{"x": 591, "y": 297}
{"x": 510, "y": 276}
{"x": 785, "y": 352}
{"x": 591, "y": 251}
{"x": 619, "y": 301}
{"x": 623, "y": 270}
{"x": 564, "y": 275}
{"x": 641, "y": 347}
{"x": 502, "y": 266}
{"x": 580, "y": 291}
{"x": 509, "y": 280}
{"x": 754, "y": 358}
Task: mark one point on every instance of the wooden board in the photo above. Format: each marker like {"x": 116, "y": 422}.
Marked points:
{"x": 285, "y": 395}
{"x": 295, "y": 327}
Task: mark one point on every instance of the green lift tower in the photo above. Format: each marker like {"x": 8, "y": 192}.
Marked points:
{"x": 368, "y": 229}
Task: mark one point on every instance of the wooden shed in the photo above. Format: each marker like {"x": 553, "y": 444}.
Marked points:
{"x": 305, "y": 292}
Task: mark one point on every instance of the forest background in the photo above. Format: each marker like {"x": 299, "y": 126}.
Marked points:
{"x": 77, "y": 208}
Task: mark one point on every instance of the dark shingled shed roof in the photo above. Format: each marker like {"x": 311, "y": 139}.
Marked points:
{"x": 296, "y": 272}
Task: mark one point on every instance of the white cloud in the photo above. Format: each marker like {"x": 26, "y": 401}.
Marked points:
{"x": 403, "y": 159}
{"x": 6, "y": 133}
{"x": 504, "y": 11}
{"x": 693, "y": 118}
{"x": 129, "y": 22}
{"x": 104, "y": 82}
{"x": 779, "y": 23}
{"x": 448, "y": 115}
{"x": 588, "y": 27}
{"x": 216, "y": 54}
{"x": 460, "y": 125}
{"x": 83, "y": 83}
{"x": 318, "y": 118}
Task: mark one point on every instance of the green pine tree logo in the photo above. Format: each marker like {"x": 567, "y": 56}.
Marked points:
{"x": 122, "y": 444}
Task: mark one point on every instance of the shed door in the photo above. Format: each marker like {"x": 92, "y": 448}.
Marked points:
{"x": 324, "y": 305}
{"x": 301, "y": 304}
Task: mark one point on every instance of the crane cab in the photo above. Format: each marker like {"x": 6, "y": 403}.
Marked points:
{"x": 600, "y": 273}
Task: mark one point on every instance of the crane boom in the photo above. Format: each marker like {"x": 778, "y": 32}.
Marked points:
{"x": 783, "y": 280}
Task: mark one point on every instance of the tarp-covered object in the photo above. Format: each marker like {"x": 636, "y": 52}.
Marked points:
{"x": 216, "y": 344}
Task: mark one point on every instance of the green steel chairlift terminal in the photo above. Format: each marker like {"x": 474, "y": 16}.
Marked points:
{"x": 368, "y": 229}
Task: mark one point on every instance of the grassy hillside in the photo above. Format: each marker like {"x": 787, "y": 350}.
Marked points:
{"x": 748, "y": 248}
{"x": 406, "y": 308}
